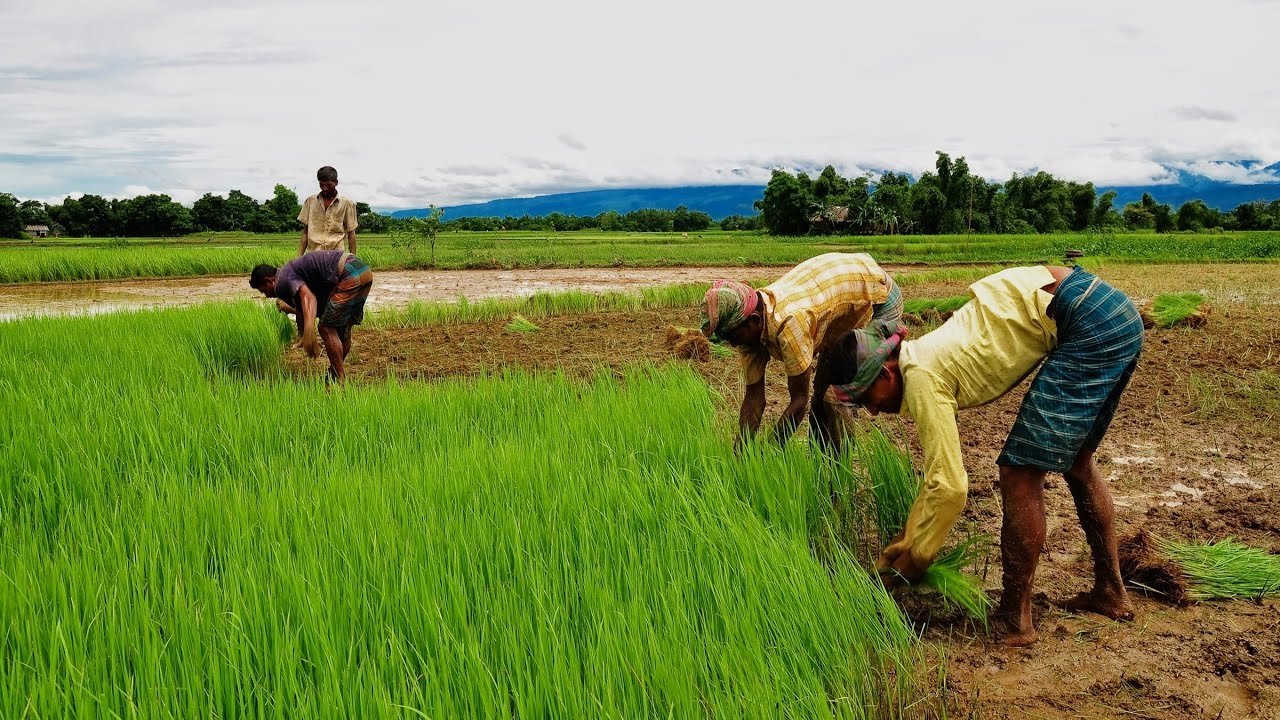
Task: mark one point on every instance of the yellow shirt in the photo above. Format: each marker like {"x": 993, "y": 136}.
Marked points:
{"x": 327, "y": 228}
{"x": 819, "y": 298}
{"x": 984, "y": 349}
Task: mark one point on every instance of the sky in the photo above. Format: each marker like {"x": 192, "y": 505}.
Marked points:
{"x": 453, "y": 102}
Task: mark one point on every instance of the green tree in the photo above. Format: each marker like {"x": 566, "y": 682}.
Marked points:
{"x": 786, "y": 203}
{"x": 154, "y": 216}
{"x": 242, "y": 211}
{"x": 34, "y": 212}
{"x": 1103, "y": 213}
{"x": 209, "y": 213}
{"x": 10, "y": 217}
{"x": 1162, "y": 218}
{"x": 1138, "y": 217}
{"x": 413, "y": 232}
{"x": 281, "y": 211}
{"x": 87, "y": 216}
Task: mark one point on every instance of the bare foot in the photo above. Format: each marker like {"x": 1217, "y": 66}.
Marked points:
{"x": 1103, "y": 603}
{"x": 1010, "y": 633}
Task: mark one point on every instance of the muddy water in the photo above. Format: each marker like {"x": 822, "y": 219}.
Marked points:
{"x": 390, "y": 288}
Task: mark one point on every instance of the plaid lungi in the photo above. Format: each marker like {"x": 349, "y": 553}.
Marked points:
{"x": 1074, "y": 396}
{"x": 346, "y": 303}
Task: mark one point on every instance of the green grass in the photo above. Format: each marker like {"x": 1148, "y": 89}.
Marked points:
{"x": 237, "y": 253}
{"x": 187, "y": 533}
{"x": 1171, "y": 308}
{"x": 1224, "y": 570}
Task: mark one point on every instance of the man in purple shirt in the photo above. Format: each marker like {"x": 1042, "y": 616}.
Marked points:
{"x": 326, "y": 288}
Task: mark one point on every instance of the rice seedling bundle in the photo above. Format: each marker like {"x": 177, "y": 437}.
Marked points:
{"x": 1225, "y": 569}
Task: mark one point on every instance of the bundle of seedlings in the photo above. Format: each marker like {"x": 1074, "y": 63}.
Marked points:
{"x": 1182, "y": 572}
{"x": 1175, "y": 310}
{"x": 691, "y": 344}
{"x": 521, "y": 324}
{"x": 894, "y": 486}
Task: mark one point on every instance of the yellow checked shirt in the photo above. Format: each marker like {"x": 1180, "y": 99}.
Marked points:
{"x": 987, "y": 347}
{"x": 819, "y": 298}
{"x": 327, "y": 228}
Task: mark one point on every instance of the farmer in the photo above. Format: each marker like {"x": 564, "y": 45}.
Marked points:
{"x": 329, "y": 286}
{"x": 328, "y": 219}
{"x": 790, "y": 320}
{"x": 1089, "y": 336}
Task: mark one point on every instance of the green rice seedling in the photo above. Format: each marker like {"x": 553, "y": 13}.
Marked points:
{"x": 721, "y": 350}
{"x": 894, "y": 486}
{"x": 521, "y": 324}
{"x": 1173, "y": 308}
{"x": 1225, "y": 569}
{"x": 956, "y": 588}
{"x": 187, "y": 534}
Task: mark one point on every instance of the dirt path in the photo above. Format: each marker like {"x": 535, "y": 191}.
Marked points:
{"x": 393, "y": 288}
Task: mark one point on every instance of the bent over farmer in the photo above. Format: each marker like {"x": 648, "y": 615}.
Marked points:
{"x": 327, "y": 288}
{"x": 1089, "y": 336}
{"x": 791, "y": 320}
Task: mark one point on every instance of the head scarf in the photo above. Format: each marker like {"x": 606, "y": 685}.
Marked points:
{"x": 727, "y": 305}
{"x": 876, "y": 343}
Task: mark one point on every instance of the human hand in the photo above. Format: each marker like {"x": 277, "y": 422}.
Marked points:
{"x": 897, "y": 564}
{"x": 311, "y": 343}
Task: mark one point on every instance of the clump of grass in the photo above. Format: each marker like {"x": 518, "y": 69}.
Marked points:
{"x": 521, "y": 324}
{"x": 1225, "y": 569}
{"x": 1172, "y": 309}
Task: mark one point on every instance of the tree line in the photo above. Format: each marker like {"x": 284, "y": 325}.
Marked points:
{"x": 947, "y": 200}
{"x": 951, "y": 200}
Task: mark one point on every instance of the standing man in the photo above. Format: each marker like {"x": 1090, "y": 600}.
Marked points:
{"x": 328, "y": 288}
{"x": 328, "y": 219}
{"x": 1089, "y": 336}
{"x": 791, "y": 320}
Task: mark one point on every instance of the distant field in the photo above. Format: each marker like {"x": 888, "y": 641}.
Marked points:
{"x": 231, "y": 253}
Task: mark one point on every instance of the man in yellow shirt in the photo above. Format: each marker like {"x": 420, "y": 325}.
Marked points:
{"x": 791, "y": 319}
{"x": 328, "y": 219}
{"x": 1089, "y": 336}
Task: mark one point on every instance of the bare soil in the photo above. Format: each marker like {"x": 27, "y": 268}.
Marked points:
{"x": 1177, "y": 463}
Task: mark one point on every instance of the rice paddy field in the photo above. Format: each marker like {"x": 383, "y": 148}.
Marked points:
{"x": 70, "y": 259}
{"x": 530, "y": 508}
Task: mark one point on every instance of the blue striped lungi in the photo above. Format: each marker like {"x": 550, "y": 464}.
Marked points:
{"x": 1074, "y": 396}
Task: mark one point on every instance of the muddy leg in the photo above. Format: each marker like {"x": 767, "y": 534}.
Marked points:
{"x": 345, "y": 336}
{"x": 334, "y": 350}
{"x": 1021, "y": 540}
{"x": 1097, "y": 517}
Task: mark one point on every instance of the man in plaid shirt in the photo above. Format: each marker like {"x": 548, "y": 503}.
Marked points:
{"x": 791, "y": 320}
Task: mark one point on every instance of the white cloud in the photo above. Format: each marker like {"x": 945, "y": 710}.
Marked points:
{"x": 451, "y": 101}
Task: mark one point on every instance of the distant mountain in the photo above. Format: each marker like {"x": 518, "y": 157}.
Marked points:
{"x": 1215, "y": 193}
{"x": 719, "y": 201}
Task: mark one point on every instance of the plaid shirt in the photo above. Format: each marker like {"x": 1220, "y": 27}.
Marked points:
{"x": 816, "y": 300}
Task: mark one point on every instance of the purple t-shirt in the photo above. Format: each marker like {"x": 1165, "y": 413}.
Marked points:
{"x": 317, "y": 270}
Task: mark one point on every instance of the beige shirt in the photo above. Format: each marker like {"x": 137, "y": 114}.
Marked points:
{"x": 327, "y": 227}
{"x": 986, "y": 348}
{"x": 812, "y": 303}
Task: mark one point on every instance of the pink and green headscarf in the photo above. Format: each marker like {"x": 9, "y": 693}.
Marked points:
{"x": 727, "y": 305}
{"x": 876, "y": 343}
